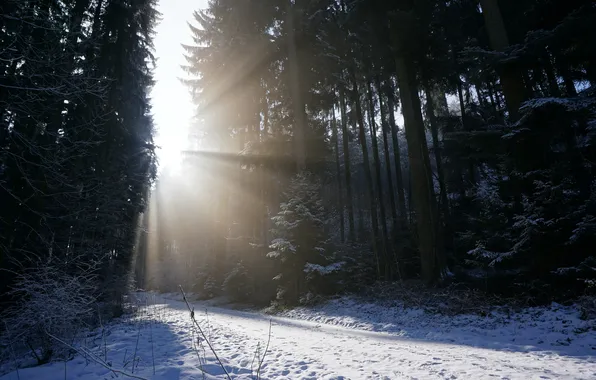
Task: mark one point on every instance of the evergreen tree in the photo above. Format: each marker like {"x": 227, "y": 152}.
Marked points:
{"x": 299, "y": 243}
{"x": 76, "y": 150}
{"x": 469, "y": 183}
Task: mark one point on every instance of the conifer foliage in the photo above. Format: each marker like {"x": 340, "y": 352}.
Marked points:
{"x": 452, "y": 141}
{"x": 76, "y": 148}
{"x": 299, "y": 243}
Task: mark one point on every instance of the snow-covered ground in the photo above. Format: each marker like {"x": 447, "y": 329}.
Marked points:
{"x": 342, "y": 339}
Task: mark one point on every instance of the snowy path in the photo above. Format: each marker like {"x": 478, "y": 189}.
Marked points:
{"x": 306, "y": 350}
{"x": 302, "y": 350}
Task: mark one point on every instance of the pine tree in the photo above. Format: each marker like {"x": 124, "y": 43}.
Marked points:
{"x": 299, "y": 240}
{"x": 76, "y": 151}
{"x": 283, "y": 68}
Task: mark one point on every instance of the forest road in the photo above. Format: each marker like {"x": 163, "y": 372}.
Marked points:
{"x": 307, "y": 350}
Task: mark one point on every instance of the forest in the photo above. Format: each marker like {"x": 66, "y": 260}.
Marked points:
{"x": 346, "y": 143}
{"x": 336, "y": 145}
{"x": 77, "y": 156}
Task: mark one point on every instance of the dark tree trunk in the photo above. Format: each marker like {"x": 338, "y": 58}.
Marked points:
{"x": 296, "y": 90}
{"x": 431, "y": 248}
{"x": 359, "y": 207}
{"x": 495, "y": 91}
{"x": 549, "y": 71}
{"x": 338, "y": 172}
{"x": 368, "y": 174}
{"x": 399, "y": 181}
{"x": 430, "y": 110}
{"x": 385, "y": 127}
{"x": 511, "y": 82}
{"x": 464, "y": 123}
{"x": 347, "y": 168}
{"x": 385, "y": 248}
{"x": 480, "y": 96}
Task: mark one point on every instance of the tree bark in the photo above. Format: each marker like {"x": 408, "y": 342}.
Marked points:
{"x": 384, "y": 128}
{"x": 498, "y": 102}
{"x": 338, "y": 172}
{"x": 399, "y": 181}
{"x": 429, "y": 242}
{"x": 368, "y": 174}
{"x": 464, "y": 123}
{"x": 549, "y": 71}
{"x": 297, "y": 101}
{"x": 511, "y": 81}
{"x": 385, "y": 247}
{"x": 430, "y": 110}
{"x": 347, "y": 168}
{"x": 479, "y": 95}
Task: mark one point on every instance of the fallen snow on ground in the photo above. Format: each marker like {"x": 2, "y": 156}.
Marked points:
{"x": 558, "y": 329}
{"x": 343, "y": 339}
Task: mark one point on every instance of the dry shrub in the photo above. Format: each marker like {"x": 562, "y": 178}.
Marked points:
{"x": 53, "y": 297}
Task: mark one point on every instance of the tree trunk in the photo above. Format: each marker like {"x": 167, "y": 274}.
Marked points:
{"x": 338, "y": 170}
{"x": 265, "y": 173}
{"x": 497, "y": 96}
{"x": 347, "y": 169}
{"x": 429, "y": 242}
{"x": 359, "y": 206}
{"x": 464, "y": 123}
{"x": 511, "y": 81}
{"x": 220, "y": 228}
{"x": 444, "y": 204}
{"x": 468, "y": 95}
{"x": 462, "y": 103}
{"x": 549, "y": 71}
{"x": 479, "y": 95}
{"x": 384, "y": 128}
{"x": 399, "y": 181}
{"x": 430, "y": 110}
{"x": 367, "y": 173}
{"x": 297, "y": 101}
{"x": 385, "y": 247}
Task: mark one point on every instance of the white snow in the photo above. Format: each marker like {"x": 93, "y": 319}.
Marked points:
{"x": 323, "y": 269}
{"x": 342, "y": 339}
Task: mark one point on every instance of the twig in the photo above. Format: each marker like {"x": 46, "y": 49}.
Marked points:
{"x": 196, "y": 344}
{"x": 33, "y": 352}
{"x": 257, "y": 354}
{"x": 96, "y": 359}
{"x": 264, "y": 353}
{"x": 203, "y": 334}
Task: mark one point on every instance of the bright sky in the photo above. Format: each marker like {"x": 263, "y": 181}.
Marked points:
{"x": 172, "y": 106}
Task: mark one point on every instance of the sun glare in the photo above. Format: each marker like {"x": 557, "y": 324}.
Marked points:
{"x": 172, "y": 105}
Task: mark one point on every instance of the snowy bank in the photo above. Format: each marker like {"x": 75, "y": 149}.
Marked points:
{"x": 342, "y": 339}
{"x": 559, "y": 329}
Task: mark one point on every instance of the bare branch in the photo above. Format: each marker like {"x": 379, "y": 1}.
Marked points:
{"x": 192, "y": 316}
